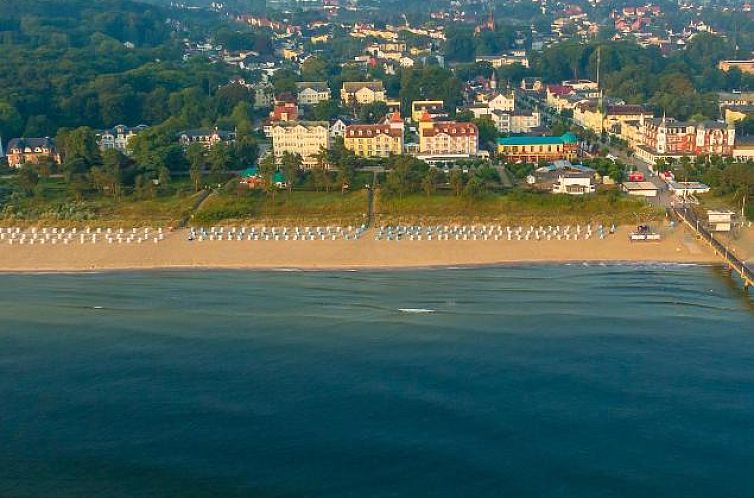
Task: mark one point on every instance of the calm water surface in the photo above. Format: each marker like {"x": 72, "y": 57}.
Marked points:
{"x": 549, "y": 381}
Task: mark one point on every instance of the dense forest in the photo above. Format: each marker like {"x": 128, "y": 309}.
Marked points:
{"x": 104, "y": 63}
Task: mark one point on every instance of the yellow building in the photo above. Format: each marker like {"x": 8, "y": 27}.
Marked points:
{"x": 306, "y": 138}
{"x": 320, "y": 38}
{"x": 375, "y": 140}
{"x": 745, "y": 66}
{"x": 362, "y": 92}
{"x": 734, "y": 114}
{"x": 447, "y": 138}
{"x": 432, "y": 107}
{"x": 587, "y": 115}
{"x": 535, "y": 149}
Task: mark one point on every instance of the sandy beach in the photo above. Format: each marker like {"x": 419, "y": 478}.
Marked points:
{"x": 177, "y": 252}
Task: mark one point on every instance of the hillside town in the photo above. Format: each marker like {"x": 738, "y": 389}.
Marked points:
{"x": 310, "y": 86}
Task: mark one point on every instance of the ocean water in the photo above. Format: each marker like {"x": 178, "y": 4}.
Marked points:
{"x": 544, "y": 381}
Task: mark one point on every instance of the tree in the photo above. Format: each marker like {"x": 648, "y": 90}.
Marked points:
{"x": 326, "y": 110}
{"x": 79, "y": 143}
{"x": 456, "y": 181}
{"x": 291, "y": 166}
{"x": 487, "y": 131}
{"x": 474, "y": 187}
{"x": 196, "y": 156}
{"x": 195, "y": 173}
{"x": 219, "y": 157}
{"x": 11, "y": 122}
{"x": 108, "y": 177}
{"x": 374, "y": 112}
{"x": 405, "y": 175}
{"x": 246, "y": 151}
{"x": 27, "y": 180}
{"x": 315, "y": 69}
{"x": 163, "y": 178}
{"x": 432, "y": 178}
{"x": 267, "y": 170}
{"x": 489, "y": 177}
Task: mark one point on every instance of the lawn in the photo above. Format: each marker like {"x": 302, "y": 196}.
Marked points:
{"x": 295, "y": 208}
{"x": 515, "y": 207}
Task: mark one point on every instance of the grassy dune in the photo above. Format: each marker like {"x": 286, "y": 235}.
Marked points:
{"x": 295, "y": 208}
{"x": 515, "y": 207}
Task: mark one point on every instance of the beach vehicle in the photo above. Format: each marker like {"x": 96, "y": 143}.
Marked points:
{"x": 643, "y": 233}
{"x": 636, "y": 176}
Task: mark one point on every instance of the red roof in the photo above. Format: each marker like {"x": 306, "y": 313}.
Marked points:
{"x": 559, "y": 89}
{"x": 451, "y": 128}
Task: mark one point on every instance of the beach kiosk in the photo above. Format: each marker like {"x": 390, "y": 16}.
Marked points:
{"x": 720, "y": 220}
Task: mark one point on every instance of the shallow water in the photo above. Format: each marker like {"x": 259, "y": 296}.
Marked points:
{"x": 565, "y": 381}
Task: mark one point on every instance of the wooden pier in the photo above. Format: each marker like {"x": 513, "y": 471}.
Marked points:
{"x": 691, "y": 220}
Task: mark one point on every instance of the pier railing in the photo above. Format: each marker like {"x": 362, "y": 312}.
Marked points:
{"x": 690, "y": 218}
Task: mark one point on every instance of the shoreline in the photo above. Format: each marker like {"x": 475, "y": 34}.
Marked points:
{"x": 354, "y": 269}
{"x": 176, "y": 253}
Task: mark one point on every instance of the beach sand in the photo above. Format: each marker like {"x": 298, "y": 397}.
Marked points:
{"x": 175, "y": 252}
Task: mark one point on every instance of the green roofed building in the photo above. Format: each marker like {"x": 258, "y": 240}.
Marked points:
{"x": 252, "y": 178}
{"x": 536, "y": 149}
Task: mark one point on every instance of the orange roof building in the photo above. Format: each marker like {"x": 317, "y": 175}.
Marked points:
{"x": 447, "y": 138}
{"x": 375, "y": 140}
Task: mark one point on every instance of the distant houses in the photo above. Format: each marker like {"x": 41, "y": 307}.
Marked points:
{"x": 362, "y": 92}
{"x": 22, "y": 151}
{"x": 118, "y": 137}
{"x": 206, "y": 137}
{"x": 312, "y": 92}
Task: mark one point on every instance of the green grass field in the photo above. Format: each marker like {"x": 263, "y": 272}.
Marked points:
{"x": 297, "y": 207}
{"x": 516, "y": 207}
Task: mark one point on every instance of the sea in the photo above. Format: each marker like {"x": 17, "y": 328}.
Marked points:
{"x": 573, "y": 381}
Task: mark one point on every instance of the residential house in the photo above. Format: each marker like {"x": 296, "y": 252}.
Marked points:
{"x": 516, "y": 121}
{"x": 206, "y": 137}
{"x": 556, "y": 96}
{"x": 118, "y": 137}
{"x": 306, "y": 138}
{"x": 312, "y": 92}
{"x": 745, "y": 66}
{"x": 734, "y": 114}
{"x": 362, "y": 92}
{"x": 338, "y": 126}
{"x": 505, "y": 59}
{"x": 31, "y": 151}
{"x": 532, "y": 84}
{"x": 435, "y": 109}
{"x": 743, "y": 150}
{"x": 574, "y": 184}
{"x": 263, "y": 95}
{"x": 284, "y": 111}
{"x": 499, "y": 101}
